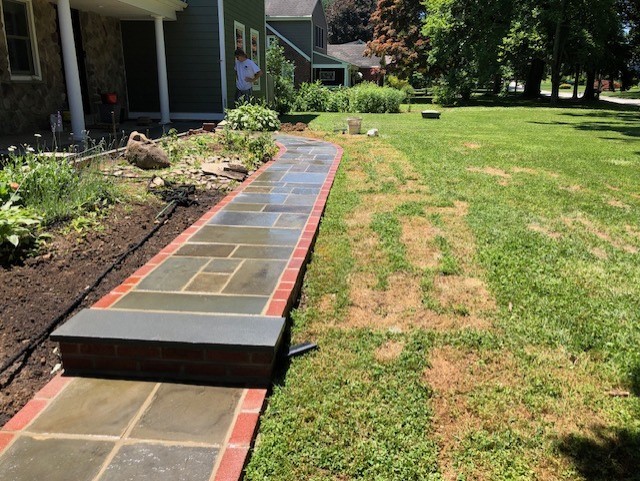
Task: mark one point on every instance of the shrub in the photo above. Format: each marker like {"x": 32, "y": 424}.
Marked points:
{"x": 281, "y": 71}
{"x": 312, "y": 97}
{"x": 253, "y": 117}
{"x": 17, "y": 223}
{"x": 339, "y": 100}
{"x": 55, "y": 189}
{"x": 565, "y": 86}
{"x": 398, "y": 84}
{"x": 253, "y": 149}
{"x": 369, "y": 98}
{"x": 445, "y": 95}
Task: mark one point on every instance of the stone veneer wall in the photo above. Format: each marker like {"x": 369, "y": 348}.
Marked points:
{"x": 26, "y": 105}
{"x": 104, "y": 57}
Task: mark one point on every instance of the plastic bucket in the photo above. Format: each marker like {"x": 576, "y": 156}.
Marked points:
{"x": 355, "y": 124}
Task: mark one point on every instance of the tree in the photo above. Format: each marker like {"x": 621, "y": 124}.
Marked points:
{"x": 397, "y": 32}
{"x": 349, "y": 20}
{"x": 280, "y": 70}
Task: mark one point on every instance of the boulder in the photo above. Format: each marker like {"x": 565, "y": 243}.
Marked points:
{"x": 144, "y": 153}
{"x": 236, "y": 167}
{"x": 219, "y": 170}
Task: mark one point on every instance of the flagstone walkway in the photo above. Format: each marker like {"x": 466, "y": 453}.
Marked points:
{"x": 210, "y": 307}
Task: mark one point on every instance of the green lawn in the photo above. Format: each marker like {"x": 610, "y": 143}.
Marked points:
{"x": 633, "y": 93}
{"x": 475, "y": 293}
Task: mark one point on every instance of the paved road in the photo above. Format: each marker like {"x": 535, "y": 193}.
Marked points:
{"x": 604, "y": 98}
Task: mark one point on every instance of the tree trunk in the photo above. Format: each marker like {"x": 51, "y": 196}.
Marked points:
{"x": 556, "y": 62}
{"x": 497, "y": 84}
{"x": 589, "y": 91}
{"x": 612, "y": 85}
{"x": 576, "y": 83}
{"x": 534, "y": 79}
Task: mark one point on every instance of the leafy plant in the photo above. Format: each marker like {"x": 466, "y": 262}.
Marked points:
{"x": 252, "y": 149}
{"x": 17, "y": 224}
{"x": 281, "y": 71}
{"x": 253, "y": 118}
{"x": 312, "y": 97}
{"x": 368, "y": 97}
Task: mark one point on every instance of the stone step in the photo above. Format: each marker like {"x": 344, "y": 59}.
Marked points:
{"x": 231, "y": 349}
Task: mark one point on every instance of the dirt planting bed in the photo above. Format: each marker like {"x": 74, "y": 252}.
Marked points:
{"x": 39, "y": 290}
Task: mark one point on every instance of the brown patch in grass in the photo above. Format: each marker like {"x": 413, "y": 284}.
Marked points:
{"x": 599, "y": 253}
{"x": 632, "y": 231}
{"x": 524, "y": 170}
{"x": 417, "y": 236}
{"x": 611, "y": 187}
{"x": 490, "y": 171}
{"x": 544, "y": 231}
{"x": 618, "y": 204}
{"x": 399, "y": 306}
{"x": 572, "y": 188}
{"x": 389, "y": 351}
{"x": 453, "y": 291}
{"x": 472, "y": 145}
{"x": 592, "y": 228}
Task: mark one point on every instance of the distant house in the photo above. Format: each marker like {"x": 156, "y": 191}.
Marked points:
{"x": 166, "y": 59}
{"x": 300, "y": 26}
{"x": 370, "y": 68}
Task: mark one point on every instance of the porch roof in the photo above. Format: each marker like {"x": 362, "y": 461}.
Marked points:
{"x": 131, "y": 9}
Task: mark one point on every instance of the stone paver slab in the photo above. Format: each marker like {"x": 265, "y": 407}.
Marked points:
{"x": 304, "y": 178}
{"x": 249, "y": 219}
{"x": 93, "y": 406}
{"x": 153, "y": 462}
{"x": 293, "y": 209}
{"x": 206, "y": 282}
{"x": 263, "y": 252}
{"x": 255, "y": 277}
{"x": 188, "y": 413}
{"x": 243, "y": 207}
{"x": 176, "y": 302}
{"x": 205, "y": 250}
{"x": 260, "y": 198}
{"x": 223, "y": 266}
{"x": 31, "y": 459}
{"x": 296, "y": 221}
{"x": 246, "y": 235}
{"x": 173, "y": 274}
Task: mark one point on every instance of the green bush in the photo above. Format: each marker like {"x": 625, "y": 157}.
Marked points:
{"x": 253, "y": 117}
{"x": 339, "y": 100}
{"x": 253, "y": 150}
{"x": 445, "y": 95}
{"x": 55, "y": 189}
{"x": 367, "y": 97}
{"x": 312, "y": 97}
{"x": 565, "y": 86}
{"x": 398, "y": 84}
{"x": 281, "y": 71}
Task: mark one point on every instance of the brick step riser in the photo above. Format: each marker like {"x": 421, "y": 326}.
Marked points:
{"x": 250, "y": 368}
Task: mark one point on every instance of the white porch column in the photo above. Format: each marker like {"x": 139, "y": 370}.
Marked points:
{"x": 163, "y": 82}
{"x": 71, "y": 73}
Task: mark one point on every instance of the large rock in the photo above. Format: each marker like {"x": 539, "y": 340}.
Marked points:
{"x": 144, "y": 153}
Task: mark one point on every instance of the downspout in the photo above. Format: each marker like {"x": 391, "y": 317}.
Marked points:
{"x": 223, "y": 57}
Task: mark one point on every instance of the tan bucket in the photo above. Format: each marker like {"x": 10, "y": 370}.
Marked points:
{"x": 355, "y": 124}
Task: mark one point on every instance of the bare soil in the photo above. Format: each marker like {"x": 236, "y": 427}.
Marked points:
{"x": 38, "y": 291}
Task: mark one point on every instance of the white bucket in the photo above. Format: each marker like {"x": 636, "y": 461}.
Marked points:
{"x": 355, "y": 124}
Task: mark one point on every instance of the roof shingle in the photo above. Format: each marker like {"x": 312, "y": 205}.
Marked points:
{"x": 290, "y": 8}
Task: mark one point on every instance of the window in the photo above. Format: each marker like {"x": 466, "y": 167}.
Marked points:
{"x": 21, "y": 42}
{"x": 255, "y": 53}
{"x": 271, "y": 39}
{"x": 240, "y": 35}
{"x": 319, "y": 37}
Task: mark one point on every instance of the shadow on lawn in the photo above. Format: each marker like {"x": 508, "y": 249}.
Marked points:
{"x": 626, "y": 123}
{"x": 305, "y": 118}
{"x": 605, "y": 455}
{"x": 544, "y": 102}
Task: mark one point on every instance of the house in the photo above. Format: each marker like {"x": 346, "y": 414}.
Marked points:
{"x": 165, "y": 59}
{"x": 301, "y": 28}
{"x": 369, "y": 68}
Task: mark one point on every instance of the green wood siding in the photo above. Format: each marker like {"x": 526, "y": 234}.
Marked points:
{"x": 249, "y": 13}
{"x": 320, "y": 20}
{"x": 298, "y": 32}
{"x": 193, "y": 61}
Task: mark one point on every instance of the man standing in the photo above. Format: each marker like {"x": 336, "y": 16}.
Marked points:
{"x": 247, "y": 72}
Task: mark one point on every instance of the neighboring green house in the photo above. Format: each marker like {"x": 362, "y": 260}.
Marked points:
{"x": 195, "y": 56}
{"x": 166, "y": 59}
{"x": 300, "y": 26}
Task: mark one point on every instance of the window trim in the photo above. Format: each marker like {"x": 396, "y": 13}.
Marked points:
{"x": 239, "y": 26}
{"x": 32, "y": 37}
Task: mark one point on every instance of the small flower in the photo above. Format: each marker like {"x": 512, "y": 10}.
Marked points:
{"x": 12, "y": 148}
{"x": 30, "y": 149}
{"x": 14, "y": 185}
{"x": 37, "y": 135}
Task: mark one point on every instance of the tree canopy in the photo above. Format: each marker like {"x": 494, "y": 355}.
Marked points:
{"x": 349, "y": 20}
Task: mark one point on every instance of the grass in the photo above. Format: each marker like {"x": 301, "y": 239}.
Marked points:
{"x": 475, "y": 293}
{"x": 633, "y": 93}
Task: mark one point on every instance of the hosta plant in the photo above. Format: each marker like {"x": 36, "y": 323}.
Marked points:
{"x": 253, "y": 117}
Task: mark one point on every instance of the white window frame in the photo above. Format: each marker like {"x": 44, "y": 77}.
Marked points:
{"x": 270, "y": 40}
{"x": 239, "y": 26}
{"x": 252, "y": 32}
{"x": 32, "y": 37}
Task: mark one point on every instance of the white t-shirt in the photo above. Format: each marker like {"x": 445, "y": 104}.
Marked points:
{"x": 244, "y": 69}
